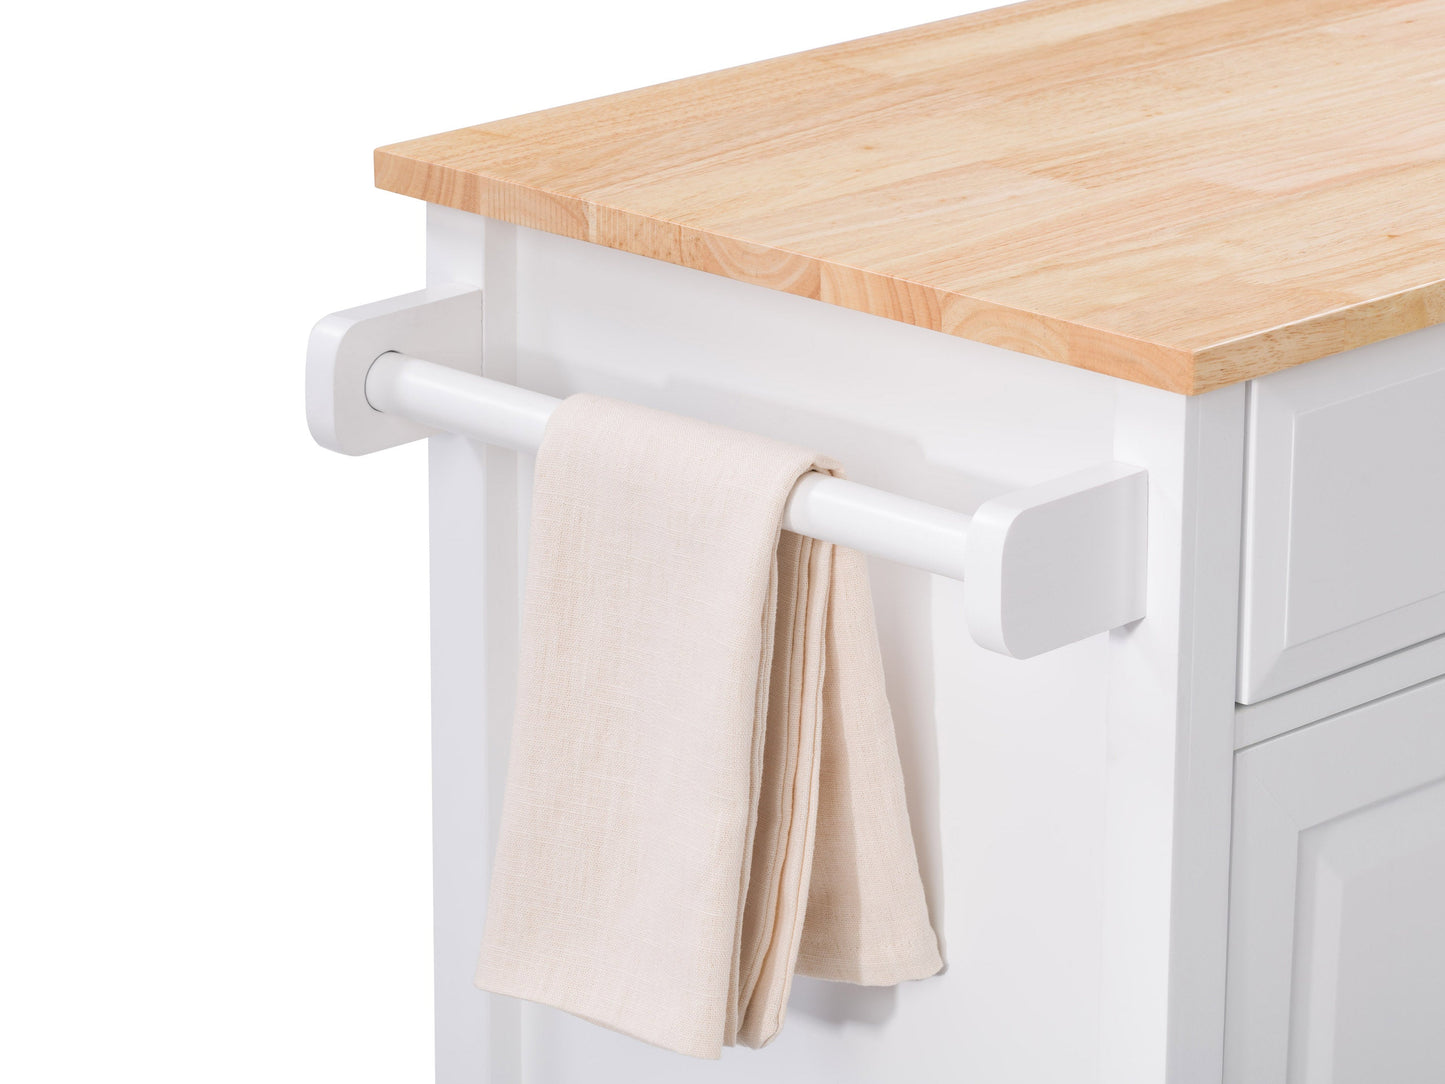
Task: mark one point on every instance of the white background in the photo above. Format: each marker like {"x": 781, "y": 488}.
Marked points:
{"x": 214, "y": 854}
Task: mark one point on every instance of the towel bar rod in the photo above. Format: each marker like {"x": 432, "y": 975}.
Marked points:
{"x": 832, "y": 509}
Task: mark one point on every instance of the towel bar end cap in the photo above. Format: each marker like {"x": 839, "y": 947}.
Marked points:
{"x": 1059, "y": 562}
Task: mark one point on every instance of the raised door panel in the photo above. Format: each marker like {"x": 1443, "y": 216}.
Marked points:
{"x": 1337, "y": 911}
{"x": 1345, "y": 513}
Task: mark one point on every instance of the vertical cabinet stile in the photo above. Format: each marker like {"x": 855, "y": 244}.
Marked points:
{"x": 473, "y": 615}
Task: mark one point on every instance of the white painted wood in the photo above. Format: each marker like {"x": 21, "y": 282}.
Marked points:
{"x": 1005, "y": 761}
{"x": 1339, "y": 692}
{"x": 1167, "y": 795}
{"x": 1058, "y": 562}
{"x": 1336, "y": 958}
{"x": 473, "y": 616}
{"x": 1345, "y": 522}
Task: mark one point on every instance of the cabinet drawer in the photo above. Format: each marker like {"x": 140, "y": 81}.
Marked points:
{"x": 1344, "y": 538}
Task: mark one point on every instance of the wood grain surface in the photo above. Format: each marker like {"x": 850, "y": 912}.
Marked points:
{"x": 1181, "y": 193}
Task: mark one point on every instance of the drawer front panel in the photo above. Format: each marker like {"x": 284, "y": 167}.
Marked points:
{"x": 1344, "y": 557}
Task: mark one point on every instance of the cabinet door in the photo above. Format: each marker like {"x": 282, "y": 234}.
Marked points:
{"x": 1337, "y": 912}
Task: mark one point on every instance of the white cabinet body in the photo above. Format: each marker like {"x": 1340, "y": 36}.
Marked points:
{"x": 1072, "y": 812}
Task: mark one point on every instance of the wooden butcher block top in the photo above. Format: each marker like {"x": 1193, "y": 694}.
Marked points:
{"x": 1182, "y": 193}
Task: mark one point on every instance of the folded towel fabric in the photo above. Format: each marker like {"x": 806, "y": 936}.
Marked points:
{"x": 704, "y": 791}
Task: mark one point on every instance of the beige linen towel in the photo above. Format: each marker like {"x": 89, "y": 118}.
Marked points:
{"x": 704, "y": 790}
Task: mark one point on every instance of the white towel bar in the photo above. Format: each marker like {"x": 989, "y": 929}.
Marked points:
{"x": 833, "y": 509}
{"x": 1046, "y": 566}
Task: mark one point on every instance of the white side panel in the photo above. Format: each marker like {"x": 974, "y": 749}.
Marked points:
{"x": 1346, "y": 516}
{"x": 1336, "y": 959}
{"x": 1005, "y": 760}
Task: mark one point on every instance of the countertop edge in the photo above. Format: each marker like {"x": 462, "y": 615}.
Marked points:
{"x": 1069, "y": 343}
{"x": 1170, "y": 368}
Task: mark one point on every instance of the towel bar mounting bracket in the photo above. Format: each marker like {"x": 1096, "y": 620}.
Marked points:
{"x": 441, "y": 323}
